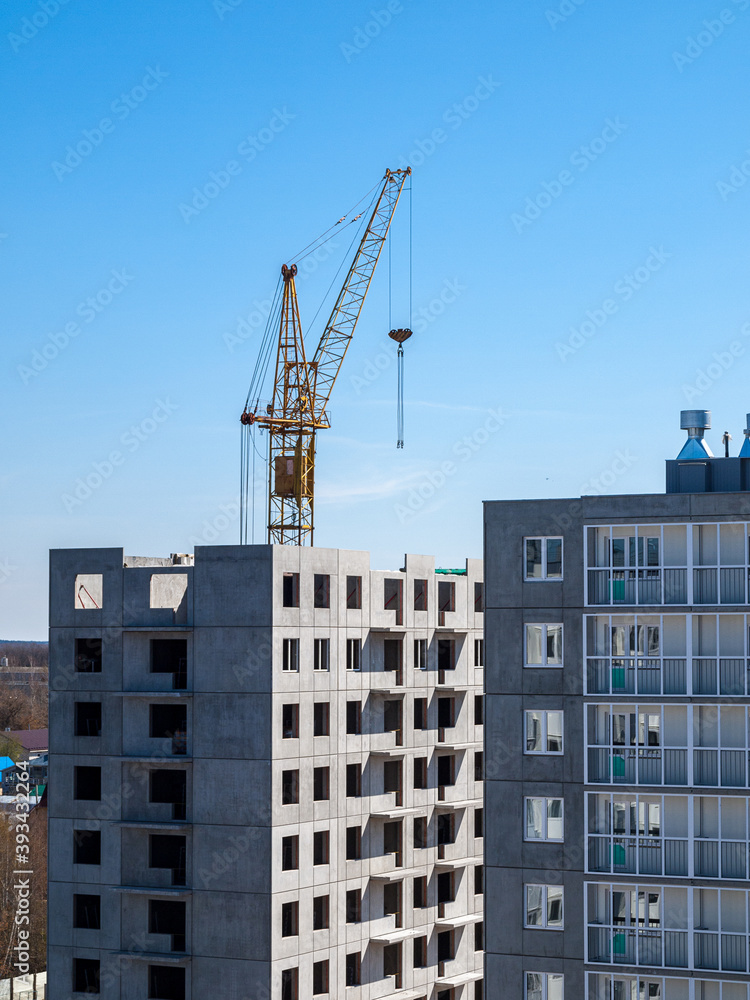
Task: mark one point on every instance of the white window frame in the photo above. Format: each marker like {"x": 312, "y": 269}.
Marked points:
{"x": 545, "y": 983}
{"x": 358, "y": 657}
{"x": 544, "y": 712}
{"x": 422, "y": 647}
{"x": 546, "y": 799}
{"x": 544, "y": 539}
{"x": 322, "y": 663}
{"x": 290, "y": 656}
{"x": 544, "y": 925}
{"x": 544, "y": 626}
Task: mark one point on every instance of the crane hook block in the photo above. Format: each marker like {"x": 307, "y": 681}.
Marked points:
{"x": 288, "y": 272}
{"x": 247, "y": 418}
{"x": 400, "y": 335}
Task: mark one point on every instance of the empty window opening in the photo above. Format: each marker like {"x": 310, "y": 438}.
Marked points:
{"x": 354, "y": 906}
{"x": 290, "y": 984}
{"x": 353, "y": 843}
{"x": 420, "y": 654}
{"x": 354, "y": 969}
{"x": 168, "y": 786}
{"x": 479, "y": 822}
{"x": 420, "y": 772}
{"x": 446, "y": 951}
{"x": 167, "y": 916}
{"x": 353, "y": 654}
{"x": 321, "y": 847}
{"x": 420, "y": 713}
{"x": 392, "y": 654}
{"x": 168, "y": 590}
{"x": 479, "y": 880}
{"x": 290, "y": 657}
{"x": 169, "y": 656}
{"x": 86, "y": 976}
{"x": 320, "y": 977}
{"x": 88, "y": 656}
{"x": 290, "y": 919}
{"x": 353, "y": 718}
{"x": 353, "y": 780}
{"x": 479, "y": 765}
{"x": 320, "y": 914}
{"x": 88, "y": 594}
{"x": 420, "y": 595}
{"x": 290, "y": 721}
{"x": 420, "y": 832}
{"x": 479, "y": 936}
{"x": 393, "y": 591}
{"x": 289, "y": 788}
{"x": 169, "y": 851}
{"x": 169, "y": 722}
{"x": 446, "y": 887}
{"x": 321, "y": 783}
{"x": 446, "y": 828}
{"x": 446, "y": 596}
{"x": 446, "y": 768}
{"x": 393, "y": 839}
{"x": 87, "y": 911}
{"x": 87, "y": 783}
{"x": 478, "y": 709}
{"x": 446, "y": 713}
{"x": 321, "y": 718}
{"x": 420, "y": 892}
{"x": 354, "y": 593}
{"x": 479, "y": 652}
{"x": 88, "y": 718}
{"x": 392, "y": 777}
{"x": 290, "y": 853}
{"x": 420, "y": 952}
{"x": 446, "y": 654}
{"x": 290, "y": 587}
{"x": 392, "y": 963}
{"x": 392, "y": 893}
{"x": 165, "y": 982}
{"x": 393, "y": 712}
{"x": 478, "y": 597}
{"x": 87, "y": 847}
{"x": 321, "y": 654}
{"x": 322, "y": 594}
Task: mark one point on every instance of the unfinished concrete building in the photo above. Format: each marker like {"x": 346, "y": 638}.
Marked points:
{"x": 265, "y": 777}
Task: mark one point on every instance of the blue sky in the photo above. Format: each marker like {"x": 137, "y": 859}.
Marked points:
{"x": 580, "y": 258}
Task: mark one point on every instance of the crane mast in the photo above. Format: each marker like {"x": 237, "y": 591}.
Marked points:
{"x": 302, "y": 389}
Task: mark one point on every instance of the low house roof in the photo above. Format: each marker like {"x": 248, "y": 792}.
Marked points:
{"x": 31, "y": 739}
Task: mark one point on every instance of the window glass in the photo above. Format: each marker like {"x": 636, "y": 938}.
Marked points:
{"x": 554, "y": 558}
{"x": 534, "y": 558}
{"x": 554, "y": 645}
{"x": 534, "y": 644}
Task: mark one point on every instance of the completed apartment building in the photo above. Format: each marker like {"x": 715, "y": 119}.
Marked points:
{"x": 266, "y": 776}
{"x": 618, "y": 739}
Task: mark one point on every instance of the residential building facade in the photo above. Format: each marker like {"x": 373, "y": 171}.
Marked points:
{"x": 266, "y": 776}
{"x": 618, "y": 740}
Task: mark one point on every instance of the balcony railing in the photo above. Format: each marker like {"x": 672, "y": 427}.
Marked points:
{"x": 726, "y": 585}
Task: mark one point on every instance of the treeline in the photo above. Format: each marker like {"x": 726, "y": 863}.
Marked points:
{"x": 25, "y": 654}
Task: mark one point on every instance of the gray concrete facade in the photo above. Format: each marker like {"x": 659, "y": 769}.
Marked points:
{"x": 652, "y": 683}
{"x": 265, "y": 776}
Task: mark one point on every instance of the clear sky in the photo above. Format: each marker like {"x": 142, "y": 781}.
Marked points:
{"x": 580, "y": 258}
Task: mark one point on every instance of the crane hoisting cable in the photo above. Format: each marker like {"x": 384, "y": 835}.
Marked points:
{"x": 302, "y": 388}
{"x": 400, "y": 336}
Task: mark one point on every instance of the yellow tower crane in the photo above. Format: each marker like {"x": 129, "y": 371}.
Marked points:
{"x": 303, "y": 388}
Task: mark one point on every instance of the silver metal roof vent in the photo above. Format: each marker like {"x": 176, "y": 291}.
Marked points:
{"x": 745, "y": 450}
{"x": 695, "y": 422}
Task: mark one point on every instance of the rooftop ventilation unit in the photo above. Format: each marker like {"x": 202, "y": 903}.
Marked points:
{"x": 695, "y": 422}
{"x": 745, "y": 450}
